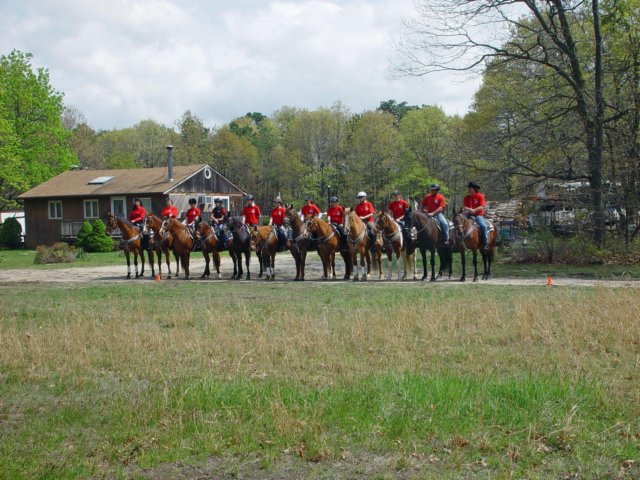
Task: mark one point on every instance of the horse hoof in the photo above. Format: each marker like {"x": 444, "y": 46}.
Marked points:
{"x": 475, "y": 279}
{"x": 219, "y": 276}
{"x": 364, "y": 278}
{"x": 433, "y": 279}
{"x": 128, "y": 276}
{"x": 463, "y": 279}
{"x": 273, "y": 277}
{"x": 260, "y": 275}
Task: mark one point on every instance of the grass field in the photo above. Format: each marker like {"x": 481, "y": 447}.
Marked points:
{"x": 340, "y": 380}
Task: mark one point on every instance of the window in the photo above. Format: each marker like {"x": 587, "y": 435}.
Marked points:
{"x": 119, "y": 206}
{"x": 146, "y": 203}
{"x": 55, "y": 210}
{"x": 91, "y": 209}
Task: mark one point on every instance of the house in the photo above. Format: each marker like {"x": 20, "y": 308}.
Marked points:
{"x": 56, "y": 209}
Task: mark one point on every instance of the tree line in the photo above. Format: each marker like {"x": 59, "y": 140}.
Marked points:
{"x": 559, "y": 101}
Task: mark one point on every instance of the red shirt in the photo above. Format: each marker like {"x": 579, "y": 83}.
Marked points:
{"x": 433, "y": 202}
{"x": 219, "y": 212}
{"x": 171, "y": 211}
{"x": 474, "y": 201}
{"x": 336, "y": 214}
{"x": 251, "y": 214}
{"x": 137, "y": 214}
{"x": 310, "y": 210}
{"x": 277, "y": 215}
{"x": 363, "y": 209}
{"x": 398, "y": 207}
{"x": 192, "y": 214}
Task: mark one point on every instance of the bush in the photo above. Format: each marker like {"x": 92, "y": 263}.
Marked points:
{"x": 10, "y": 233}
{"x": 58, "y": 253}
{"x": 94, "y": 238}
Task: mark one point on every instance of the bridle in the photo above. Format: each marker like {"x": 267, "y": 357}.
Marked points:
{"x": 323, "y": 239}
{"x": 348, "y": 228}
{"x": 386, "y": 219}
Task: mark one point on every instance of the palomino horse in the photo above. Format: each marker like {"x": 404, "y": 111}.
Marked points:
{"x": 211, "y": 244}
{"x": 467, "y": 237}
{"x": 395, "y": 243}
{"x": 239, "y": 243}
{"x": 360, "y": 243}
{"x": 428, "y": 232}
{"x": 328, "y": 242}
{"x": 302, "y": 242}
{"x": 182, "y": 241}
{"x": 159, "y": 245}
{"x": 265, "y": 241}
{"x": 131, "y": 241}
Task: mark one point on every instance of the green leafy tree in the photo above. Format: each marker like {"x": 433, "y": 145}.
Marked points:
{"x": 98, "y": 240}
{"x": 83, "y": 235}
{"x": 33, "y": 140}
{"x": 10, "y": 233}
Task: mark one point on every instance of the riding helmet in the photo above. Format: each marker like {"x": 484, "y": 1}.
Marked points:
{"x": 277, "y": 200}
{"x": 192, "y": 201}
{"x": 361, "y": 194}
{"x": 395, "y": 192}
{"x": 217, "y": 200}
{"x": 333, "y": 199}
{"x": 434, "y": 186}
{"x": 249, "y": 197}
{"x": 473, "y": 185}
{"x": 307, "y": 198}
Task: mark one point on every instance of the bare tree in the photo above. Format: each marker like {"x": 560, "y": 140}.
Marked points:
{"x": 463, "y": 35}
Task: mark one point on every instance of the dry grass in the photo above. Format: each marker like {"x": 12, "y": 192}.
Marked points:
{"x": 239, "y": 368}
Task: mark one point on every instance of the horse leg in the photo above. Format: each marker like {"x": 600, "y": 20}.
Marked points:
{"x": 365, "y": 262}
{"x": 433, "y": 265}
{"x": 126, "y": 253}
{"x": 475, "y": 265}
{"x": 423, "y": 253}
{"x": 303, "y": 263}
{"x": 135, "y": 263}
{"x": 401, "y": 260}
{"x": 464, "y": 266}
{"x": 177, "y": 257}
{"x": 216, "y": 260}
{"x": 247, "y": 261}
{"x": 141, "y": 253}
{"x": 206, "y": 272}
{"x": 260, "y": 260}
{"x": 332, "y": 257}
{"x": 489, "y": 261}
{"x": 273, "y": 263}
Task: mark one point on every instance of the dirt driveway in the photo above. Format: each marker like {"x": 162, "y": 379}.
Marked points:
{"x": 285, "y": 271}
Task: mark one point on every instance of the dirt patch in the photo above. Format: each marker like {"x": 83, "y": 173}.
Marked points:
{"x": 285, "y": 271}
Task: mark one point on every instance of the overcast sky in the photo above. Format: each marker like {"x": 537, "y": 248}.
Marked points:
{"x": 122, "y": 61}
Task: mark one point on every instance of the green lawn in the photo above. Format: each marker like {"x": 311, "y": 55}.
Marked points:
{"x": 20, "y": 259}
{"x": 476, "y": 382}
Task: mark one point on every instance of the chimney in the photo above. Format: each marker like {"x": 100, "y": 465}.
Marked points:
{"x": 170, "y": 163}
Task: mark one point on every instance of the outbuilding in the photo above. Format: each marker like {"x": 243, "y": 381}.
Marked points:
{"x": 55, "y": 210}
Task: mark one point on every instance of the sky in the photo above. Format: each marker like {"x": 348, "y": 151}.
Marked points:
{"x": 123, "y": 61}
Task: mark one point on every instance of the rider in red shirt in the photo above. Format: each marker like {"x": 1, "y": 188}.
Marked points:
{"x": 474, "y": 204}
{"x": 251, "y": 212}
{"x": 364, "y": 209}
{"x": 276, "y": 218}
{"x": 169, "y": 211}
{"x": 138, "y": 214}
{"x": 335, "y": 212}
{"x": 309, "y": 208}
{"x": 434, "y": 204}
{"x": 398, "y": 206}
{"x": 193, "y": 214}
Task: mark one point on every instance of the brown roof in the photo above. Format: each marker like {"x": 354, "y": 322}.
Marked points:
{"x": 135, "y": 181}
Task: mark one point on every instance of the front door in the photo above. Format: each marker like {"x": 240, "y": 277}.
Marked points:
{"x": 119, "y": 206}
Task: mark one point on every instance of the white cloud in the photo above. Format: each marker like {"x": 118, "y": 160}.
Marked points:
{"x": 126, "y": 60}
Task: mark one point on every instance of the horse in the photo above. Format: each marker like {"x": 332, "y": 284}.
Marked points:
{"x": 264, "y": 240}
{"x": 131, "y": 241}
{"x": 428, "y": 232}
{"x": 160, "y": 245}
{"x": 302, "y": 241}
{"x": 467, "y": 237}
{"x": 239, "y": 243}
{"x": 328, "y": 241}
{"x": 395, "y": 243}
{"x": 211, "y": 244}
{"x": 360, "y": 243}
{"x": 182, "y": 241}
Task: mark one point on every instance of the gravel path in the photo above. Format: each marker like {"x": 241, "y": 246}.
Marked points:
{"x": 285, "y": 271}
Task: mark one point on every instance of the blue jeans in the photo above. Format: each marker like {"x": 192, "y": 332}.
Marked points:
{"x": 444, "y": 225}
{"x": 482, "y": 225}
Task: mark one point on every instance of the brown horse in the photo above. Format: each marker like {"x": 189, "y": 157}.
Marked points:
{"x": 328, "y": 242}
{"x": 131, "y": 241}
{"x": 302, "y": 242}
{"x": 467, "y": 237}
{"x": 264, "y": 240}
{"x": 360, "y": 243}
{"x": 159, "y": 245}
{"x": 182, "y": 241}
{"x": 239, "y": 243}
{"x": 395, "y": 243}
{"x": 211, "y": 245}
{"x": 428, "y": 232}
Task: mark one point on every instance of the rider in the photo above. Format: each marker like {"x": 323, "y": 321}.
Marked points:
{"x": 251, "y": 212}
{"x": 193, "y": 215}
{"x": 217, "y": 219}
{"x": 365, "y": 210}
{"x": 335, "y": 214}
{"x": 276, "y": 219}
{"x": 169, "y": 211}
{"x": 309, "y": 208}
{"x": 474, "y": 204}
{"x": 138, "y": 213}
{"x": 397, "y": 207}
{"x": 434, "y": 204}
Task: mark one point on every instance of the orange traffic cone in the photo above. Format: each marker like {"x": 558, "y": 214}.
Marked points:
{"x": 157, "y": 278}
{"x": 549, "y": 280}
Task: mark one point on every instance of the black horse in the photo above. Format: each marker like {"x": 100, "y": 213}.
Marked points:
{"x": 239, "y": 243}
{"x": 428, "y": 239}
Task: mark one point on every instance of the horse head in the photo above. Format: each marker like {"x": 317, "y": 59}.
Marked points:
{"x": 110, "y": 223}
{"x": 460, "y": 224}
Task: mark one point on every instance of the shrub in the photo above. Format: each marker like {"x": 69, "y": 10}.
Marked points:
{"x": 10, "y": 233}
{"x": 83, "y": 235}
{"x": 97, "y": 239}
{"x": 58, "y": 253}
